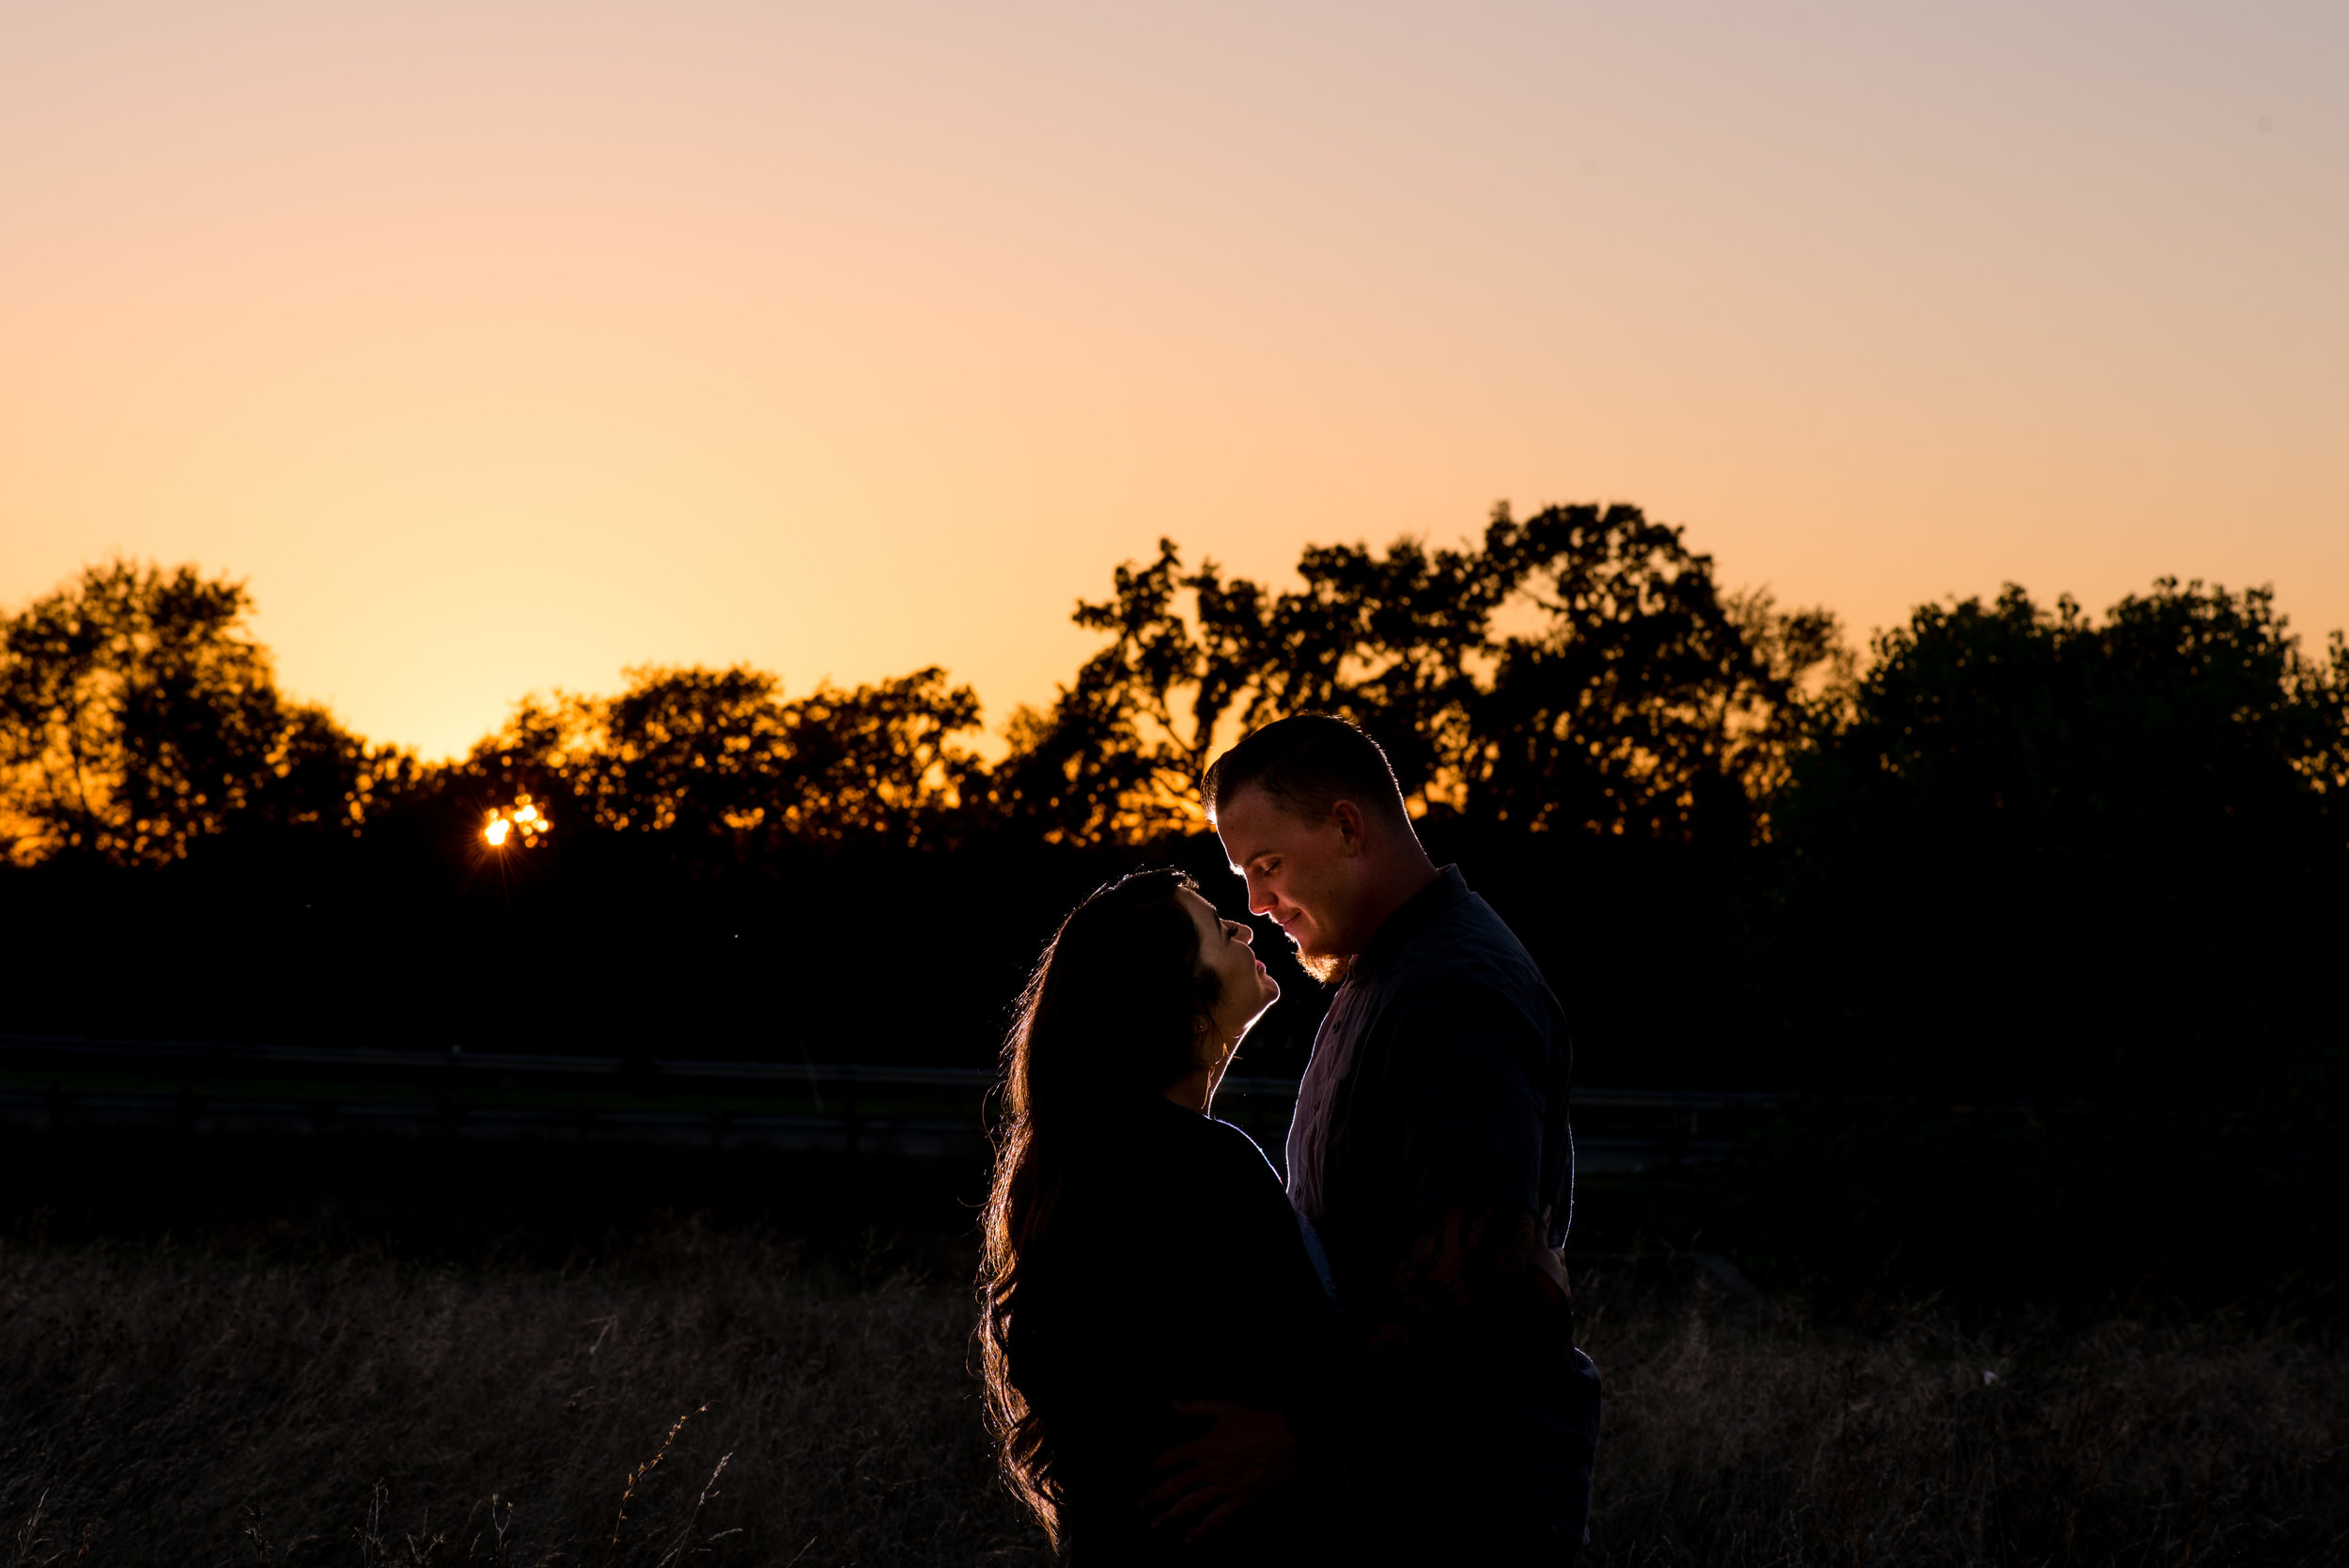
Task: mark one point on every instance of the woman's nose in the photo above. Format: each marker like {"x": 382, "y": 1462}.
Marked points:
{"x": 1246, "y": 932}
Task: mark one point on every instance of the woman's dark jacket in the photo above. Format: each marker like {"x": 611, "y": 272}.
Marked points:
{"x": 1171, "y": 1268}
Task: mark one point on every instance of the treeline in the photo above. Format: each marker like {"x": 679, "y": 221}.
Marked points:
{"x": 1629, "y": 695}
{"x": 2015, "y": 850}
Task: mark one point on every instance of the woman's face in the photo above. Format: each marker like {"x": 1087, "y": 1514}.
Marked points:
{"x": 1244, "y": 991}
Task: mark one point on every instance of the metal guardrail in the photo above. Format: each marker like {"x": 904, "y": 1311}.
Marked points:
{"x": 53, "y": 1082}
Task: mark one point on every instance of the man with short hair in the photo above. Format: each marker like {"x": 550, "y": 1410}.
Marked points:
{"x": 1431, "y": 1152}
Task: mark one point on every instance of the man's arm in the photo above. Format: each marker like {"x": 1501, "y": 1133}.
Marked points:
{"x": 1475, "y": 1277}
{"x": 1464, "y": 1380}
{"x": 1480, "y": 1287}
{"x": 1476, "y": 1305}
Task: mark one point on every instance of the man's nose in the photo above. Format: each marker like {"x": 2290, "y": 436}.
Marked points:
{"x": 1259, "y": 896}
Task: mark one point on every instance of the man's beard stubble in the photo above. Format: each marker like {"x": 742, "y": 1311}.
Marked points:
{"x": 1330, "y": 969}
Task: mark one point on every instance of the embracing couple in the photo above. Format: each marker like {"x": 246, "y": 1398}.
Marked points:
{"x": 1187, "y": 1363}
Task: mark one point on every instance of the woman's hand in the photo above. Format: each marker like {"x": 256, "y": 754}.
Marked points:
{"x": 1247, "y": 1453}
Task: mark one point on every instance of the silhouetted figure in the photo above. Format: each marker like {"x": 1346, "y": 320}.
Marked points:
{"x": 1144, "y": 1269}
{"x": 1431, "y": 1151}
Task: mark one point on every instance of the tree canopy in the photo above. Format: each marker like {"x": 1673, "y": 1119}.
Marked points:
{"x": 2050, "y": 847}
{"x": 136, "y": 717}
{"x": 1581, "y": 670}
{"x": 702, "y": 756}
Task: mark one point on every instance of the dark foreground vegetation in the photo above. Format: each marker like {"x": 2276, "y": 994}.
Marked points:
{"x": 686, "y": 1391}
{"x": 230, "y": 1349}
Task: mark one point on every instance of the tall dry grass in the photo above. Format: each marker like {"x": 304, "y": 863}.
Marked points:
{"x": 709, "y": 1401}
{"x": 1737, "y": 1435}
{"x": 714, "y": 1399}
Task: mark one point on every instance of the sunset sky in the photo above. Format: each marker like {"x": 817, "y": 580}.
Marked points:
{"x": 500, "y": 346}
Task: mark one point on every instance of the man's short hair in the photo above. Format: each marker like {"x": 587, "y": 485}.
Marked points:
{"x": 1307, "y": 763}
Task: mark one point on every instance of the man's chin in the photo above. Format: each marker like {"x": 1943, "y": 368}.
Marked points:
{"x": 1328, "y": 968}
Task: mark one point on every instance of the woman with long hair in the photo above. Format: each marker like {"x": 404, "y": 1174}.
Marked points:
{"x": 1141, "y": 1258}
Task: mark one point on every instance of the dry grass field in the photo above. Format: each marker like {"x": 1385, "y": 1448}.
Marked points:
{"x": 716, "y": 1397}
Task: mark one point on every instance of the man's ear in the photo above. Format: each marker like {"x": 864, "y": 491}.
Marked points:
{"x": 1351, "y": 824}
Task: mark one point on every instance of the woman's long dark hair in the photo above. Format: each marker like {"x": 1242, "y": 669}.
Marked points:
{"x": 1111, "y": 1017}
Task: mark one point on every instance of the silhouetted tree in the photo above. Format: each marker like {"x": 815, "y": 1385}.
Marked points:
{"x": 1082, "y": 773}
{"x": 1643, "y": 701}
{"x": 1647, "y": 703}
{"x": 136, "y": 717}
{"x": 881, "y": 760}
{"x": 701, "y": 751}
{"x": 705, "y": 755}
{"x": 2043, "y": 853}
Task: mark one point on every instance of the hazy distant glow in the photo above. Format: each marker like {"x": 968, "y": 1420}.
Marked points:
{"x": 502, "y": 346}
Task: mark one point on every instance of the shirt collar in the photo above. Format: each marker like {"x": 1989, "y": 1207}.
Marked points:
{"x": 1396, "y": 933}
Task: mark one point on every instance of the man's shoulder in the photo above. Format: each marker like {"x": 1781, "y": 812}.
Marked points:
{"x": 1465, "y": 949}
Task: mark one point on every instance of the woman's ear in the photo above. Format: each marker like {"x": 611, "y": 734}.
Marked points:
{"x": 1208, "y": 1044}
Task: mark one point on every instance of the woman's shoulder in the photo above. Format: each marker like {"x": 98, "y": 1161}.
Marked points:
{"x": 1239, "y": 1179}
{"x": 1195, "y": 1157}
{"x": 1236, "y": 1148}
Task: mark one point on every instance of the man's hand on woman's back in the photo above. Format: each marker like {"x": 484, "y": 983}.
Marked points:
{"x": 1247, "y": 1454}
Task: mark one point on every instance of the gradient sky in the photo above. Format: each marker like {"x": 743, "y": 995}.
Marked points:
{"x": 498, "y": 346}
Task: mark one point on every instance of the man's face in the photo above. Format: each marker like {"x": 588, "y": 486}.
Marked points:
{"x": 1303, "y": 874}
